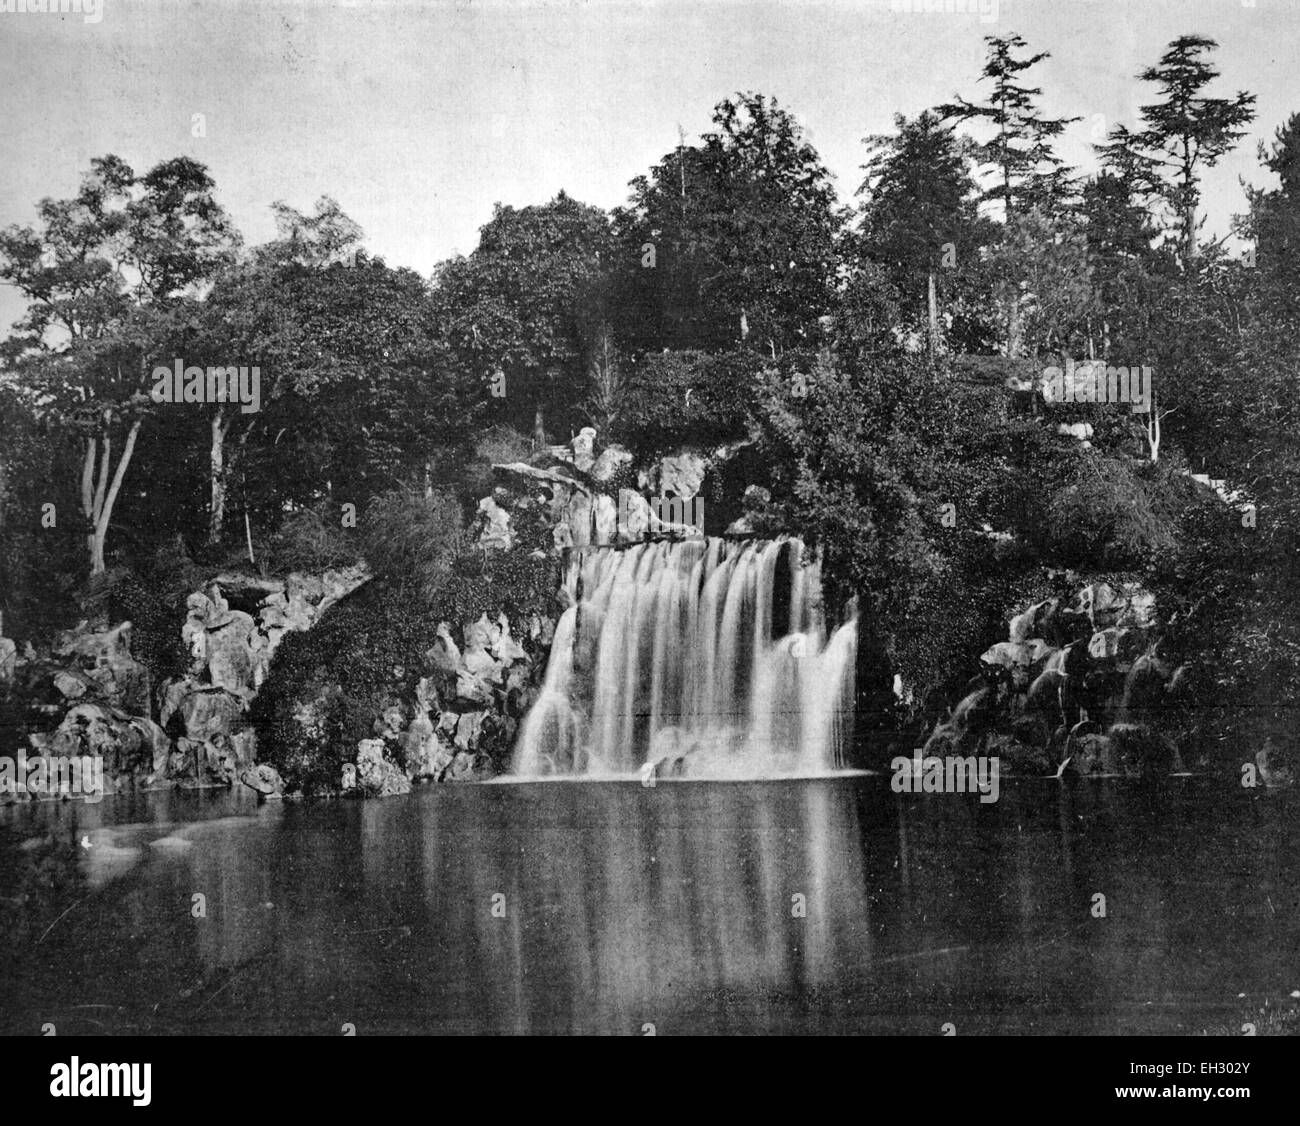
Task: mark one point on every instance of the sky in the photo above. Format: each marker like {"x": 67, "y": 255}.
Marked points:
{"x": 419, "y": 116}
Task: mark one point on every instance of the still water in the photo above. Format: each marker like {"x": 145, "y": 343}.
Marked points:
{"x": 827, "y": 905}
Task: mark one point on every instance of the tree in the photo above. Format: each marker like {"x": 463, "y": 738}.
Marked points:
{"x": 1273, "y": 221}
{"x": 355, "y": 390}
{"x": 519, "y": 309}
{"x": 1026, "y": 170}
{"x": 742, "y": 231}
{"x": 1184, "y": 133}
{"x": 329, "y": 237}
{"x": 106, "y": 277}
{"x": 1129, "y": 277}
{"x": 605, "y": 399}
{"x": 918, "y": 216}
{"x": 1045, "y": 281}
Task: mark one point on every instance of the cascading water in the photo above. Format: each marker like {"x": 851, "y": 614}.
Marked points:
{"x": 708, "y": 658}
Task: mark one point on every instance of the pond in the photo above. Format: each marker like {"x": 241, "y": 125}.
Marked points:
{"x": 817, "y": 905}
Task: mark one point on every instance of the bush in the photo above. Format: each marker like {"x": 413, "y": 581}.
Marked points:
{"x": 1109, "y": 516}
{"x": 470, "y": 475}
{"x": 411, "y": 539}
{"x": 312, "y": 539}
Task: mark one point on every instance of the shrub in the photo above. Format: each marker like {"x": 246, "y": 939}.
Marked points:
{"x": 411, "y": 539}
{"x": 313, "y": 539}
{"x": 469, "y": 474}
{"x": 1109, "y": 516}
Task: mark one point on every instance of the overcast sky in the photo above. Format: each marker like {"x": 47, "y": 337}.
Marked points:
{"x": 417, "y": 117}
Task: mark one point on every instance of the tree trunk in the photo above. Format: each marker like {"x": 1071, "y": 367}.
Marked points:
{"x": 1153, "y": 431}
{"x": 539, "y": 426}
{"x": 217, "y": 457}
{"x": 934, "y": 313}
{"x": 88, "y": 497}
{"x": 99, "y": 508}
{"x": 1013, "y": 325}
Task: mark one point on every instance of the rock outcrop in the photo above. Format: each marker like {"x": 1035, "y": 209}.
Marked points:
{"x": 1080, "y": 685}
{"x": 90, "y": 696}
{"x": 230, "y": 651}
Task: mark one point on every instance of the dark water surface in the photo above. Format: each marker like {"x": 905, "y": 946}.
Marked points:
{"x": 673, "y": 906}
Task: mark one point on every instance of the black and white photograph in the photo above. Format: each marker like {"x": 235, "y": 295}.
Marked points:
{"x": 738, "y": 518}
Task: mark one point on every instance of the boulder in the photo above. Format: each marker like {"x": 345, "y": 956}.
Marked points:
{"x": 552, "y": 476}
{"x": 436, "y": 756}
{"x": 72, "y": 683}
{"x": 154, "y": 740}
{"x": 8, "y": 660}
{"x": 264, "y": 779}
{"x": 444, "y": 653}
{"x": 1100, "y": 603}
{"x": 1093, "y": 754}
{"x": 469, "y": 729}
{"x": 210, "y": 711}
{"x": 1144, "y": 752}
{"x": 1038, "y": 620}
{"x": 390, "y": 722}
{"x": 418, "y": 742}
{"x": 754, "y": 504}
{"x": 496, "y": 534}
{"x": 1081, "y": 431}
{"x": 505, "y": 648}
{"x": 472, "y": 689}
{"x": 1119, "y": 644}
{"x": 478, "y": 661}
{"x": 583, "y": 449}
{"x": 376, "y": 776}
{"x": 462, "y": 767}
{"x": 427, "y": 697}
{"x": 230, "y": 657}
{"x": 1139, "y": 609}
{"x": 612, "y": 459}
{"x": 1023, "y": 659}
{"x": 679, "y": 475}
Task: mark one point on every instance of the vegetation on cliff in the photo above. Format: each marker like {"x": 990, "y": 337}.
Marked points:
{"x": 876, "y": 369}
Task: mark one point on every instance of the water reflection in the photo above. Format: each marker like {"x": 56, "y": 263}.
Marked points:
{"x": 823, "y": 905}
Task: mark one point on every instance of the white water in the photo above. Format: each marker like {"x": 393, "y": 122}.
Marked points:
{"x": 683, "y": 649}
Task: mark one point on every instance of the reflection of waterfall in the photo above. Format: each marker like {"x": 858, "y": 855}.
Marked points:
{"x": 707, "y": 656}
{"x": 699, "y": 909}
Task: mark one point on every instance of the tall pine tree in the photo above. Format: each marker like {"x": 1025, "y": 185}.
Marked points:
{"x": 1183, "y": 134}
{"x": 1026, "y": 172}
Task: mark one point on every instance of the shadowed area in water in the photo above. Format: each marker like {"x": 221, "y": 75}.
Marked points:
{"x": 829, "y": 905}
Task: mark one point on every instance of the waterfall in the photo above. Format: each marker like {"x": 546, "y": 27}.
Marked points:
{"x": 707, "y": 657}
